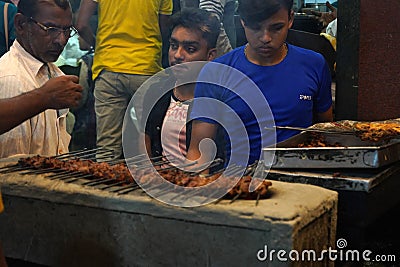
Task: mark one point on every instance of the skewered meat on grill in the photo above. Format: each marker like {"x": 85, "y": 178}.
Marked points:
{"x": 181, "y": 178}
{"x": 117, "y": 172}
{"x": 120, "y": 172}
{"x": 242, "y": 188}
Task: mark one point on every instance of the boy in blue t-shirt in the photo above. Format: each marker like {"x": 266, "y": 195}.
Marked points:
{"x": 267, "y": 82}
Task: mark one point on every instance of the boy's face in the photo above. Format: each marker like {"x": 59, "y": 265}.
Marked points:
{"x": 266, "y": 39}
{"x": 188, "y": 45}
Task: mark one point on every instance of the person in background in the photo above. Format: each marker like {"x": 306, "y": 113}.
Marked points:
{"x": 7, "y": 31}
{"x": 127, "y": 53}
{"x": 194, "y": 37}
{"x": 43, "y": 28}
{"x": 15, "y": 2}
{"x": 328, "y": 19}
{"x": 224, "y": 10}
{"x": 295, "y": 82}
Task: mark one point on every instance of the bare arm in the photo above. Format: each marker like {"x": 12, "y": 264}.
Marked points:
{"x": 200, "y": 131}
{"x": 326, "y": 17}
{"x": 147, "y": 142}
{"x": 86, "y": 11}
{"x": 164, "y": 22}
{"x": 326, "y": 116}
{"x": 57, "y": 93}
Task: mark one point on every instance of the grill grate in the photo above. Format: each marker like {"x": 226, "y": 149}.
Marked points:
{"x": 81, "y": 167}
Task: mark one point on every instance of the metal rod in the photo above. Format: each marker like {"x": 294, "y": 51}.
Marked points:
{"x": 41, "y": 171}
{"x": 99, "y": 182}
{"x": 74, "y": 179}
{"x": 94, "y": 181}
{"x": 312, "y": 130}
{"x": 17, "y": 168}
{"x": 104, "y": 156}
{"x": 75, "y": 153}
{"x": 80, "y": 176}
{"x": 129, "y": 190}
{"x": 60, "y": 175}
{"x": 113, "y": 184}
{"x": 236, "y": 197}
{"x": 258, "y": 198}
{"x": 8, "y": 167}
{"x": 69, "y": 175}
{"x": 123, "y": 188}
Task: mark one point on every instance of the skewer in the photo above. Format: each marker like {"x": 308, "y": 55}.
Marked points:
{"x": 76, "y": 153}
{"x": 124, "y": 187}
{"x": 161, "y": 193}
{"x": 15, "y": 169}
{"x": 155, "y": 187}
{"x": 89, "y": 156}
{"x": 180, "y": 166}
{"x": 236, "y": 197}
{"x": 8, "y": 167}
{"x": 61, "y": 175}
{"x": 104, "y": 156}
{"x": 258, "y": 198}
{"x": 113, "y": 184}
{"x": 129, "y": 190}
{"x": 96, "y": 182}
{"x": 72, "y": 180}
{"x": 71, "y": 174}
{"x": 79, "y": 176}
{"x": 213, "y": 164}
{"x": 218, "y": 200}
{"x": 41, "y": 171}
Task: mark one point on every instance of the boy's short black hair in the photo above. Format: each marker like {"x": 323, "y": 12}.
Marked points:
{"x": 253, "y": 12}
{"x": 200, "y": 20}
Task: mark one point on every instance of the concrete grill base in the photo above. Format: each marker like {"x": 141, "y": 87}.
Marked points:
{"x": 58, "y": 224}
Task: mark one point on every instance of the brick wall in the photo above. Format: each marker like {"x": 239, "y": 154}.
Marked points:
{"x": 379, "y": 63}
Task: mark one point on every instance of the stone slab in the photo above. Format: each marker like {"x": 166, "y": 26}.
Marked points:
{"x": 60, "y": 224}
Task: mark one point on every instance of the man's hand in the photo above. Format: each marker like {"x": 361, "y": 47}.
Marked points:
{"x": 61, "y": 92}
{"x": 326, "y": 17}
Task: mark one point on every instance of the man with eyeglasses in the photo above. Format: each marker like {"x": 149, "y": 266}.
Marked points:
{"x": 43, "y": 28}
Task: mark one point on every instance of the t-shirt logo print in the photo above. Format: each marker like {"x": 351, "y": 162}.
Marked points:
{"x": 305, "y": 97}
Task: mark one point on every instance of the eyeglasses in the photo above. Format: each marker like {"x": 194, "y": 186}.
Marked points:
{"x": 54, "y": 32}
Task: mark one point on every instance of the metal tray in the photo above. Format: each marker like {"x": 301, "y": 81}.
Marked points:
{"x": 353, "y": 153}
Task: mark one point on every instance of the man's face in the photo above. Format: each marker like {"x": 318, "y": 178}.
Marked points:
{"x": 266, "y": 39}
{"x": 40, "y": 43}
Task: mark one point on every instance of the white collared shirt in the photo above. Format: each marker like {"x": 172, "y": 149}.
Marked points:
{"x": 44, "y": 134}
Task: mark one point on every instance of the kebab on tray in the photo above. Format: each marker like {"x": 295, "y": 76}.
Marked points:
{"x": 366, "y": 131}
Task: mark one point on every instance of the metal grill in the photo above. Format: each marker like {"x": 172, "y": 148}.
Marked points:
{"x": 121, "y": 181}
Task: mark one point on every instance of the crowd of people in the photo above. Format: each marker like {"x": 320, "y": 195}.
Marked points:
{"x": 128, "y": 47}
{"x": 127, "y": 54}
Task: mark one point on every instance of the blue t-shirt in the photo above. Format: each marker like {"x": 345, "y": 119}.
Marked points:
{"x": 286, "y": 94}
